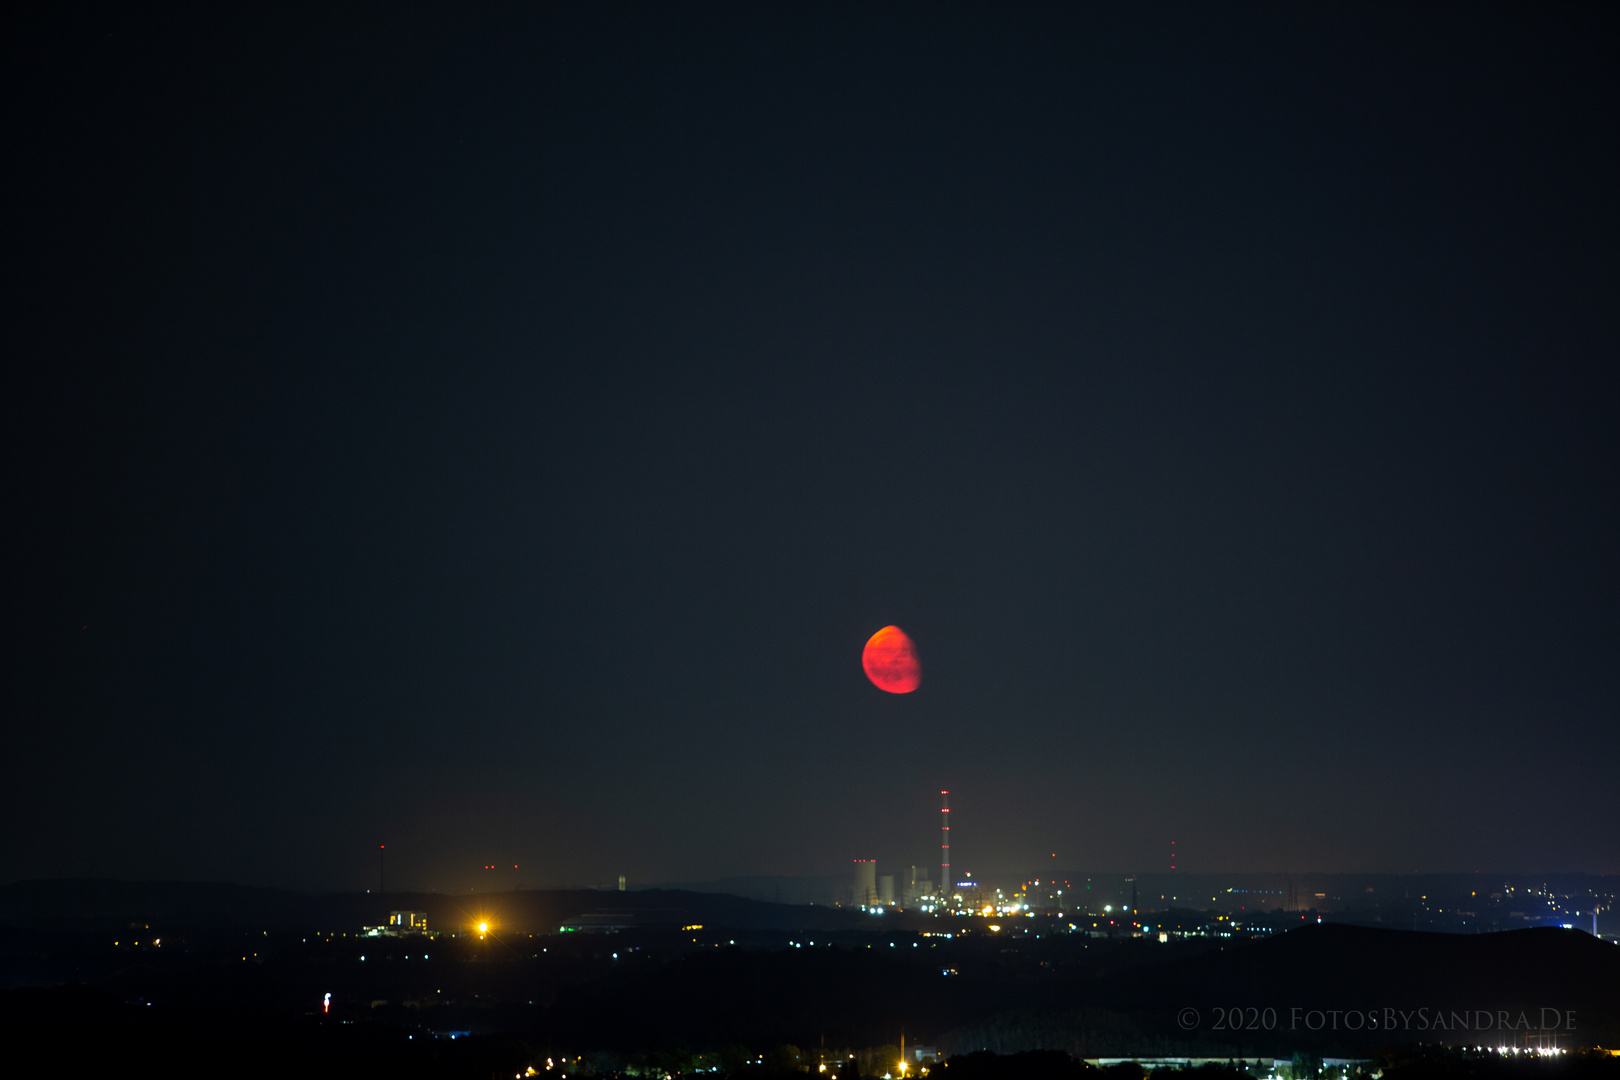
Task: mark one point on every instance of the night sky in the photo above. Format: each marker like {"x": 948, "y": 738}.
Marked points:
{"x": 495, "y": 433}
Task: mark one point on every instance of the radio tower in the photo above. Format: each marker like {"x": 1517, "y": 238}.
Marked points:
{"x": 945, "y": 844}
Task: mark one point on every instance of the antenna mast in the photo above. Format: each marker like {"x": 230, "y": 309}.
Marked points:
{"x": 945, "y": 844}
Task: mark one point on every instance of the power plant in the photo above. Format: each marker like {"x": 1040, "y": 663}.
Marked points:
{"x": 869, "y": 890}
{"x": 865, "y": 892}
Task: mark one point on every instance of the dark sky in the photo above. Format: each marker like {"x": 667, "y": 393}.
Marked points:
{"x": 496, "y": 433}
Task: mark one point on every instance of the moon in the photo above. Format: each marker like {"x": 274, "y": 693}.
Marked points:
{"x": 890, "y": 660}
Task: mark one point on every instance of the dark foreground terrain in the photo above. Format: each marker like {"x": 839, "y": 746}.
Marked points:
{"x": 206, "y": 979}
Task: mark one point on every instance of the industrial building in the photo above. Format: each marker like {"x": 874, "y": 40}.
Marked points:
{"x": 865, "y": 892}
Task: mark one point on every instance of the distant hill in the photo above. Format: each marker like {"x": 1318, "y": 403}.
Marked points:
{"x": 1354, "y": 967}
{"x": 1346, "y": 987}
{"x": 781, "y": 889}
{"x": 83, "y": 903}
{"x": 1322, "y": 988}
{"x": 1303, "y": 987}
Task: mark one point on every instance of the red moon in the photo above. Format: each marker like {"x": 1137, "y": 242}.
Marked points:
{"x": 890, "y": 660}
